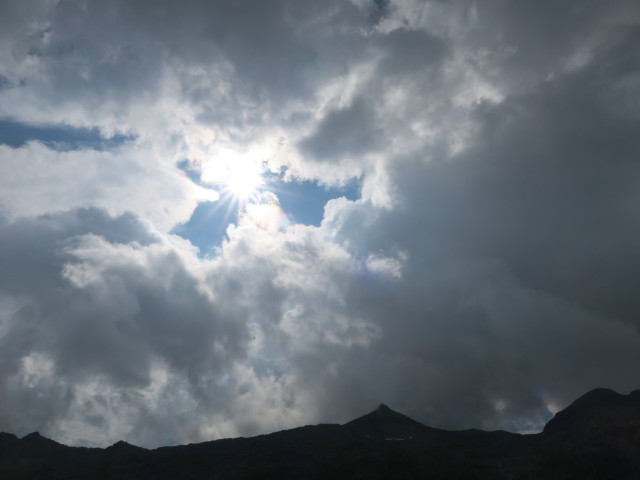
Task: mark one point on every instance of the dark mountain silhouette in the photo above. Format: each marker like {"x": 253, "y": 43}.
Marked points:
{"x": 597, "y": 410}
{"x": 384, "y": 423}
{"x": 596, "y": 437}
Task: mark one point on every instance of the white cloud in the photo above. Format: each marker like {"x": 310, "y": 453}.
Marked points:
{"x": 37, "y": 180}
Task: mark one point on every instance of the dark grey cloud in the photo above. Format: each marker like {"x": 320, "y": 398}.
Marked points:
{"x": 546, "y": 186}
{"x": 408, "y": 51}
{"x": 223, "y": 54}
{"x": 89, "y": 297}
{"x": 349, "y": 131}
{"x": 518, "y": 283}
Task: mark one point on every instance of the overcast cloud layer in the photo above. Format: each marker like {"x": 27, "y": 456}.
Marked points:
{"x": 486, "y": 276}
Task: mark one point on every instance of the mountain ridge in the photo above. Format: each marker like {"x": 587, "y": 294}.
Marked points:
{"x": 596, "y": 437}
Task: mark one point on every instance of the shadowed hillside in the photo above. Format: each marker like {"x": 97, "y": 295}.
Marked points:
{"x": 596, "y": 437}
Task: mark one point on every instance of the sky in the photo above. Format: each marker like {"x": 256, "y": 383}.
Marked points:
{"x": 226, "y": 218}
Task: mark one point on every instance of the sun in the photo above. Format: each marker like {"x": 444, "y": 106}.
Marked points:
{"x": 238, "y": 175}
{"x": 243, "y": 180}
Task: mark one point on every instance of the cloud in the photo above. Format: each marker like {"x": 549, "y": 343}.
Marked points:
{"x": 349, "y": 131}
{"x": 39, "y": 180}
{"x": 483, "y": 278}
{"x": 93, "y": 297}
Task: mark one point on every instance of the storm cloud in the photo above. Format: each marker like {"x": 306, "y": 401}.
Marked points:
{"x": 483, "y": 277}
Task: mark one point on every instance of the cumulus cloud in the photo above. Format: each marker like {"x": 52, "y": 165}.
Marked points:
{"x": 483, "y": 278}
{"x": 90, "y": 296}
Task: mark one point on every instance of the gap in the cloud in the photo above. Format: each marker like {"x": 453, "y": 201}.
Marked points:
{"x": 302, "y": 201}
{"x": 207, "y": 227}
{"x": 189, "y": 171}
{"x": 57, "y": 137}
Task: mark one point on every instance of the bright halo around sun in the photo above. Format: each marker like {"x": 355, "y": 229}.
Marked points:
{"x": 244, "y": 180}
{"x": 237, "y": 175}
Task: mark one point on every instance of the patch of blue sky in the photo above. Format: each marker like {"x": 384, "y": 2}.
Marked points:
{"x": 207, "y": 227}
{"x": 302, "y": 201}
{"x": 57, "y": 137}
{"x": 193, "y": 175}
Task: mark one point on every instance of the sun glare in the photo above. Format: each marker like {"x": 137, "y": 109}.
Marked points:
{"x": 244, "y": 181}
{"x": 238, "y": 175}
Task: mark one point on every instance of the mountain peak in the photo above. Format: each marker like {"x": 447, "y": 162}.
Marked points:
{"x": 34, "y": 438}
{"x": 123, "y": 447}
{"x": 37, "y": 444}
{"x": 384, "y": 422}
